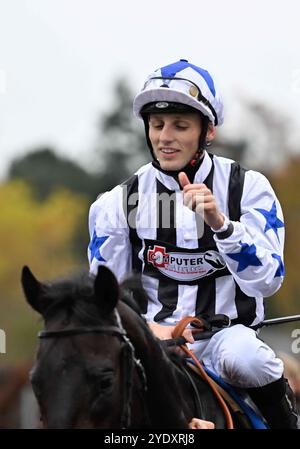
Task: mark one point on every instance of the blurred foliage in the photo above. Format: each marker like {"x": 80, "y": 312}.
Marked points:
{"x": 45, "y": 172}
{"x": 45, "y": 201}
{"x": 122, "y": 147}
{"x": 267, "y": 132}
{"x": 37, "y": 234}
{"x": 286, "y": 183}
{"x": 233, "y": 149}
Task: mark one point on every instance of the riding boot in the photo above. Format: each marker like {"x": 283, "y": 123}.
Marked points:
{"x": 277, "y": 403}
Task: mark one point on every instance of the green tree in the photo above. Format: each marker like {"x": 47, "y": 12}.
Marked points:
{"x": 122, "y": 147}
{"x": 233, "y": 149}
{"x": 45, "y": 171}
{"x": 286, "y": 183}
{"x": 267, "y": 132}
{"x": 40, "y": 235}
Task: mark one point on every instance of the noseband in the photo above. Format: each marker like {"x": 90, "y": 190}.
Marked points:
{"x": 128, "y": 359}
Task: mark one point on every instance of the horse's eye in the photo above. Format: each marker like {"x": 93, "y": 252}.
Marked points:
{"x": 105, "y": 383}
{"x": 101, "y": 380}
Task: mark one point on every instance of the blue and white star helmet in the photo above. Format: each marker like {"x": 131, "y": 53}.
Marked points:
{"x": 184, "y": 83}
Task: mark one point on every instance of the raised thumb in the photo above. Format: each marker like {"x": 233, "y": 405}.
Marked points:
{"x": 183, "y": 179}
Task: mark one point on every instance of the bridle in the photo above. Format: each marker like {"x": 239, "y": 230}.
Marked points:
{"x": 128, "y": 360}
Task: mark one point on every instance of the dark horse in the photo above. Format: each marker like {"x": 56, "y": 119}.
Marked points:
{"x": 100, "y": 366}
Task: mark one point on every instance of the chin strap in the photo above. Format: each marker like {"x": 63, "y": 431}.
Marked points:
{"x": 190, "y": 169}
{"x": 196, "y": 158}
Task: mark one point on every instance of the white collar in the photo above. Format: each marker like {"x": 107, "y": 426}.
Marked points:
{"x": 170, "y": 183}
{"x": 204, "y": 169}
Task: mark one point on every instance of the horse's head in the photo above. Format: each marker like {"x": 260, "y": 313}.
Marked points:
{"x": 84, "y": 362}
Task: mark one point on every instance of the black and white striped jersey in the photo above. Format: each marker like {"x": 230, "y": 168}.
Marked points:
{"x": 143, "y": 225}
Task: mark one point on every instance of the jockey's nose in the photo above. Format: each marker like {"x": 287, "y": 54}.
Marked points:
{"x": 166, "y": 135}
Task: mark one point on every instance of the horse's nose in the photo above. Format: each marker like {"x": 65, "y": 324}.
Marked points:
{"x": 59, "y": 418}
{"x": 58, "y": 423}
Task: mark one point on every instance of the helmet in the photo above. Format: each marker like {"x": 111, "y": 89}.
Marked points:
{"x": 180, "y": 83}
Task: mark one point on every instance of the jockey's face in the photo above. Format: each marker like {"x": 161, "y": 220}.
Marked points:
{"x": 175, "y": 138}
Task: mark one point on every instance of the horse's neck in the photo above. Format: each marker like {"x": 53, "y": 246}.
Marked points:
{"x": 164, "y": 390}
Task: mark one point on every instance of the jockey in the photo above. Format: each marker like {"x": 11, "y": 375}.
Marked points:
{"x": 206, "y": 234}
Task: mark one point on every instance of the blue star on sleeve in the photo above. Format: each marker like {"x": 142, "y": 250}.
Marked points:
{"x": 246, "y": 257}
{"x": 272, "y": 221}
{"x": 95, "y": 246}
{"x": 280, "y": 269}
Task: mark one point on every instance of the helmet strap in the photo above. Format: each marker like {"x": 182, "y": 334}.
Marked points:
{"x": 194, "y": 161}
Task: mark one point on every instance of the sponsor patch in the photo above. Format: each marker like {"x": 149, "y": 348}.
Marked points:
{"x": 181, "y": 264}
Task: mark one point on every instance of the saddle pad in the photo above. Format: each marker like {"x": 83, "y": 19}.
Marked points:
{"x": 253, "y": 417}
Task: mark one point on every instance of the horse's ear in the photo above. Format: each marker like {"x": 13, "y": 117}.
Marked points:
{"x": 106, "y": 290}
{"x": 32, "y": 289}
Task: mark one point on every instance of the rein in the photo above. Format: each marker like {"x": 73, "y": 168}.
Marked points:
{"x": 129, "y": 360}
{"x": 201, "y": 325}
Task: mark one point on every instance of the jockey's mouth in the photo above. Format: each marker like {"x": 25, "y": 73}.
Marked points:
{"x": 169, "y": 150}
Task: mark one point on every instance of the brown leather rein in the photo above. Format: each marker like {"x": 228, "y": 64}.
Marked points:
{"x": 201, "y": 326}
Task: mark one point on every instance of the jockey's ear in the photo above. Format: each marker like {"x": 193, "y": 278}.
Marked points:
{"x": 106, "y": 290}
{"x": 32, "y": 289}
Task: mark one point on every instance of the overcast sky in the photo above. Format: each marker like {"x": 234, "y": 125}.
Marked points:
{"x": 59, "y": 60}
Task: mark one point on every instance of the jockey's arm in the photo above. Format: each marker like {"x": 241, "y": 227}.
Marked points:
{"x": 253, "y": 246}
{"x": 164, "y": 332}
{"x": 109, "y": 239}
{"x": 254, "y": 251}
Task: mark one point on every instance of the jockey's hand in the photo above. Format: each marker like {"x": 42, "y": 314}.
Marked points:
{"x": 200, "y": 199}
{"x": 165, "y": 333}
{"x": 197, "y": 423}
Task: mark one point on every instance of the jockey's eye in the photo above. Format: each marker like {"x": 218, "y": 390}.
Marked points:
{"x": 156, "y": 125}
{"x": 181, "y": 127}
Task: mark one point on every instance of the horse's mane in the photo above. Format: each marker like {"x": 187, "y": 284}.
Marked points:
{"x": 133, "y": 293}
{"x": 75, "y": 296}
